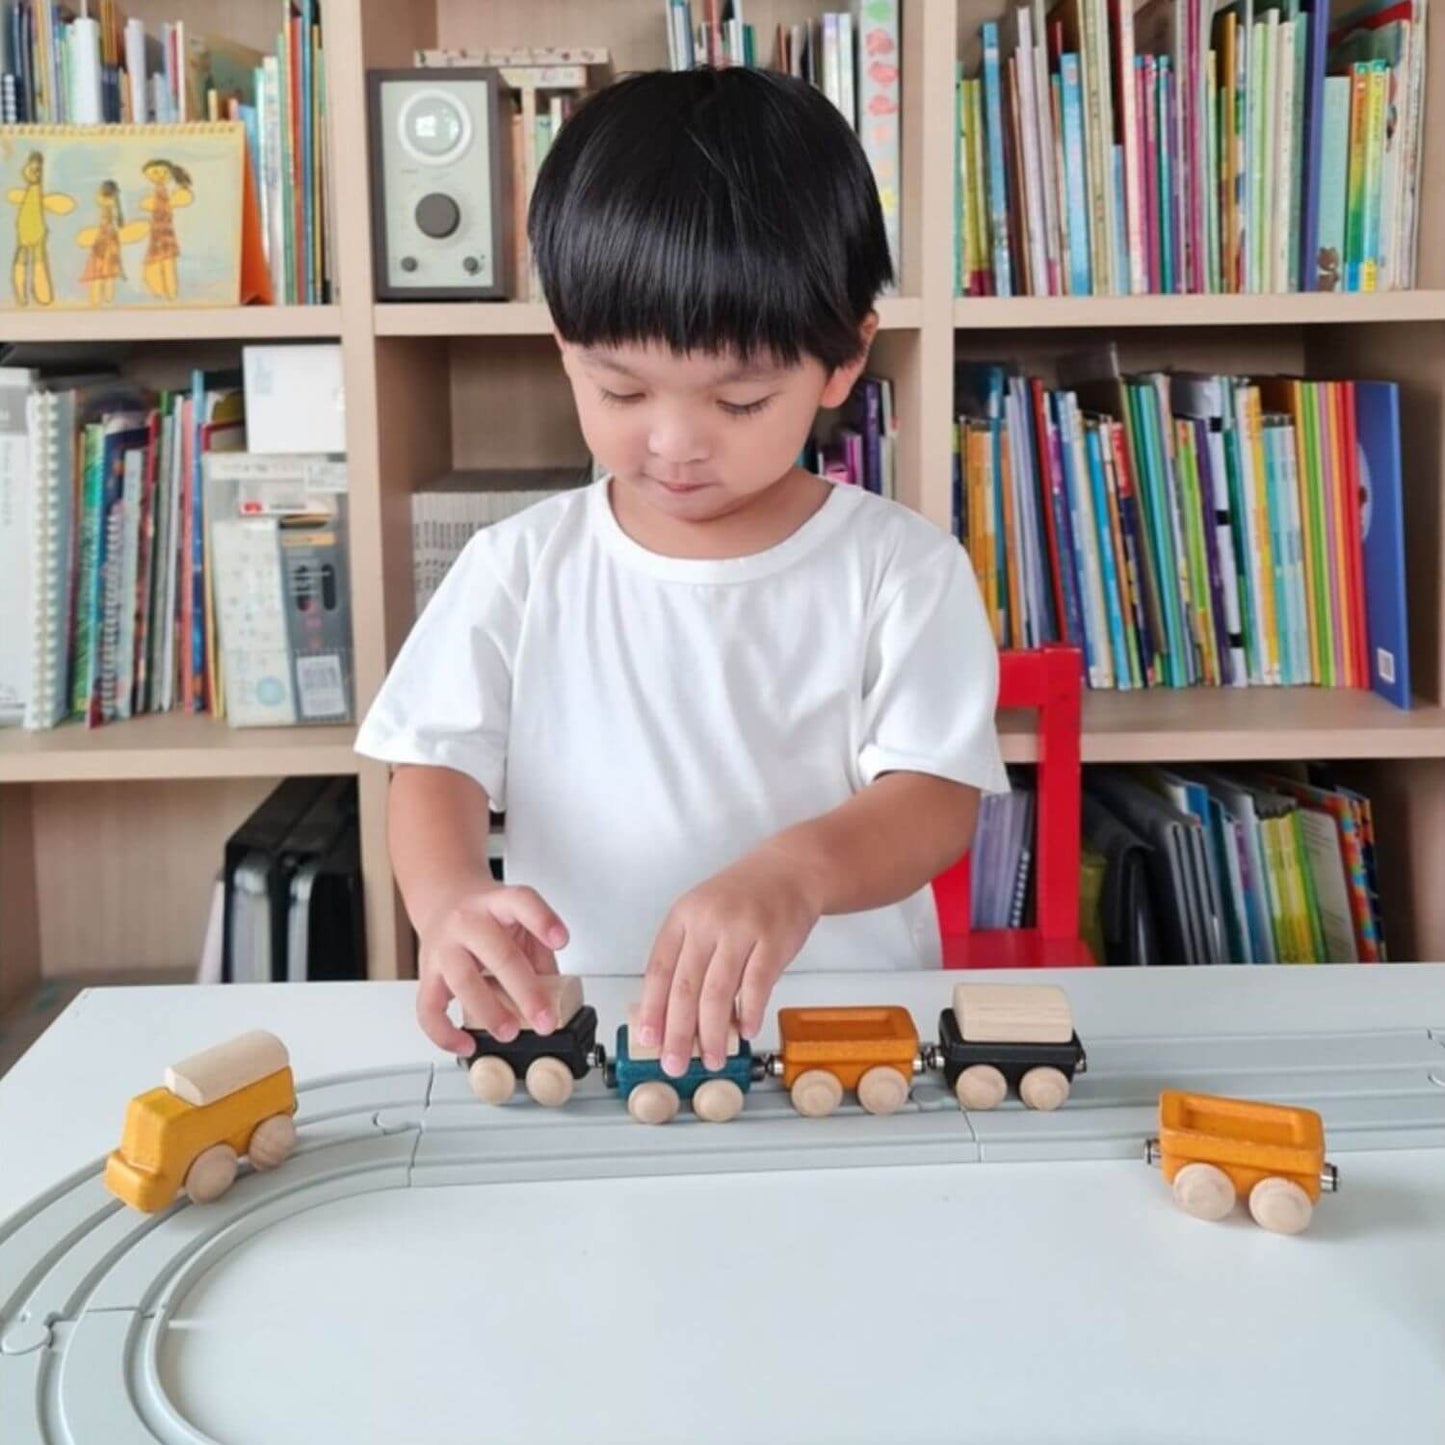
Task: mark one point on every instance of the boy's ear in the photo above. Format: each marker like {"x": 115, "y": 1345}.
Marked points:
{"x": 841, "y": 381}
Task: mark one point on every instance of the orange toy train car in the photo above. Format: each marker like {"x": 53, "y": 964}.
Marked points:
{"x": 234, "y": 1099}
{"x": 826, "y": 1050}
{"x": 1215, "y": 1150}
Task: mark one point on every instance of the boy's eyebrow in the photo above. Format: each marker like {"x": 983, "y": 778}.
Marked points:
{"x": 743, "y": 371}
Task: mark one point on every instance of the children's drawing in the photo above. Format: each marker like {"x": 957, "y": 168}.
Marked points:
{"x": 181, "y": 197}
{"x": 105, "y": 265}
{"x": 163, "y": 202}
{"x": 30, "y": 270}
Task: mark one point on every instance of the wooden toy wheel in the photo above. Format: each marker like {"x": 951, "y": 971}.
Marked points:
{"x": 980, "y": 1086}
{"x": 717, "y": 1101}
{"x": 653, "y": 1102}
{"x": 212, "y": 1173}
{"x": 816, "y": 1092}
{"x": 272, "y": 1141}
{"x": 549, "y": 1082}
{"x": 1044, "y": 1089}
{"x": 1203, "y": 1190}
{"x": 882, "y": 1090}
{"x": 492, "y": 1079}
{"x": 1280, "y": 1205}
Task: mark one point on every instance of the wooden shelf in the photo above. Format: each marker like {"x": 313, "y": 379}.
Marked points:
{"x": 531, "y": 318}
{"x": 1240, "y": 724}
{"x": 200, "y": 323}
{"x": 1008, "y": 313}
{"x": 171, "y": 745}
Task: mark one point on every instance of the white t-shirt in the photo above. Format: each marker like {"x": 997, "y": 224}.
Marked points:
{"x": 646, "y": 720}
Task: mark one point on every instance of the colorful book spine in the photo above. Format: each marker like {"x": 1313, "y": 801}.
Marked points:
{"x": 998, "y": 211}
{"x": 1080, "y": 257}
{"x": 1379, "y": 83}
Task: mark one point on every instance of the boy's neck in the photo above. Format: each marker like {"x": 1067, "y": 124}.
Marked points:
{"x": 759, "y": 521}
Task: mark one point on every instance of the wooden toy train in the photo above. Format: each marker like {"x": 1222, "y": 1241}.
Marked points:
{"x": 995, "y": 1037}
{"x": 239, "y": 1098}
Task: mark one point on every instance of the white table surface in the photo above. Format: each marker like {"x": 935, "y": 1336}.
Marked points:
{"x": 982, "y": 1302}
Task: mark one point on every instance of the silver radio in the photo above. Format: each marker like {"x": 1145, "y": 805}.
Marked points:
{"x": 441, "y": 205}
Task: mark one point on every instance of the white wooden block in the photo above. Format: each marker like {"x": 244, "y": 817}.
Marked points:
{"x": 1004, "y": 1013}
{"x": 212, "y": 1074}
{"x": 641, "y": 1052}
{"x": 564, "y": 995}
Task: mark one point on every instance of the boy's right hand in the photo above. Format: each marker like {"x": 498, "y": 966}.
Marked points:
{"x": 487, "y": 944}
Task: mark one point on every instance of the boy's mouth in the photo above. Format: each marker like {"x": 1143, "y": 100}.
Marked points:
{"x": 680, "y": 489}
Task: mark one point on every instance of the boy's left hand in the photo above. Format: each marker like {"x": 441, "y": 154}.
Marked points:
{"x": 726, "y": 940}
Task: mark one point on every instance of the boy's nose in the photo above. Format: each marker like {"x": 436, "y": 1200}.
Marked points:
{"x": 675, "y": 445}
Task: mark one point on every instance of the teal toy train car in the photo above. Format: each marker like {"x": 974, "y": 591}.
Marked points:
{"x": 654, "y": 1097}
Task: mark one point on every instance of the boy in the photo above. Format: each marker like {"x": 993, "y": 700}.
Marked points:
{"x": 738, "y": 717}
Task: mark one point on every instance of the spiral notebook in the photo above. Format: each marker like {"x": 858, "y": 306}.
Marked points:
{"x": 51, "y": 416}
{"x": 52, "y": 523}
{"x": 131, "y": 215}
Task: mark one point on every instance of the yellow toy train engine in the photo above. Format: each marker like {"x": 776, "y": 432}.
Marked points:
{"x": 232, "y": 1100}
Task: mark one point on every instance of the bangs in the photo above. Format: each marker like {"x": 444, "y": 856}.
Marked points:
{"x": 710, "y": 211}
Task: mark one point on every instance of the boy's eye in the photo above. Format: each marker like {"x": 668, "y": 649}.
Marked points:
{"x": 744, "y": 408}
{"x": 614, "y": 398}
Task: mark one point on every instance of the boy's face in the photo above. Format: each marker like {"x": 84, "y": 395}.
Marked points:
{"x": 699, "y": 436}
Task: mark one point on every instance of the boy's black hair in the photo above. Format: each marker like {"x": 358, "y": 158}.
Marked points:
{"x": 710, "y": 210}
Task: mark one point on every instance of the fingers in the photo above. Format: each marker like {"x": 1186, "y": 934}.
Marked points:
{"x": 657, "y": 983}
{"x": 679, "y": 1032}
{"x": 432, "y": 997}
{"x": 483, "y": 1005}
{"x": 718, "y": 1001}
{"x": 760, "y": 974}
{"x": 528, "y": 908}
{"x": 492, "y": 946}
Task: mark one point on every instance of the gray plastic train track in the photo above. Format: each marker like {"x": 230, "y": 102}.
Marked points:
{"x": 88, "y": 1286}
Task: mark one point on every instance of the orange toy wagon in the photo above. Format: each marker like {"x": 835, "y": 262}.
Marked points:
{"x": 873, "y": 1049}
{"x": 1214, "y": 1150}
{"x": 234, "y": 1099}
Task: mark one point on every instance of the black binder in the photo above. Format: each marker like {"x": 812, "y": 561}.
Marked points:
{"x": 254, "y": 918}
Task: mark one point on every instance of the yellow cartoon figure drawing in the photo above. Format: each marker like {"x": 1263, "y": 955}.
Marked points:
{"x": 105, "y": 264}
{"x": 30, "y": 270}
{"x": 162, "y": 203}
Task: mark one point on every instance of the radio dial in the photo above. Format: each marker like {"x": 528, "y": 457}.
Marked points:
{"x": 438, "y": 215}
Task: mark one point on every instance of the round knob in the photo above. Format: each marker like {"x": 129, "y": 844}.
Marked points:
{"x": 408, "y": 263}
{"x": 437, "y": 215}
{"x": 471, "y": 265}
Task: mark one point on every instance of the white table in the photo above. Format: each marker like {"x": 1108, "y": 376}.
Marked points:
{"x": 983, "y": 1302}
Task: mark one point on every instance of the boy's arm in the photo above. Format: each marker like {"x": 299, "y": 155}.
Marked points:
{"x": 469, "y": 925}
{"x": 731, "y": 936}
{"x": 887, "y": 841}
{"x": 438, "y": 822}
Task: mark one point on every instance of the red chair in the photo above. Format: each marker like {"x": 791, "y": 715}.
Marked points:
{"x": 1049, "y": 679}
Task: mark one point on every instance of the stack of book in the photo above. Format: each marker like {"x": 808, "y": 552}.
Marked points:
{"x": 102, "y": 562}
{"x": 114, "y": 582}
{"x": 1262, "y": 147}
{"x": 1185, "y": 529}
{"x": 1002, "y": 857}
{"x": 1237, "y": 868}
{"x": 861, "y": 450}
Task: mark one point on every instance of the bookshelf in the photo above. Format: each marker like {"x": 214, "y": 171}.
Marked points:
{"x": 108, "y": 840}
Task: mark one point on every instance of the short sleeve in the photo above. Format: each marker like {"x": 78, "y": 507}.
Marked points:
{"x": 930, "y": 682}
{"x": 447, "y": 700}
